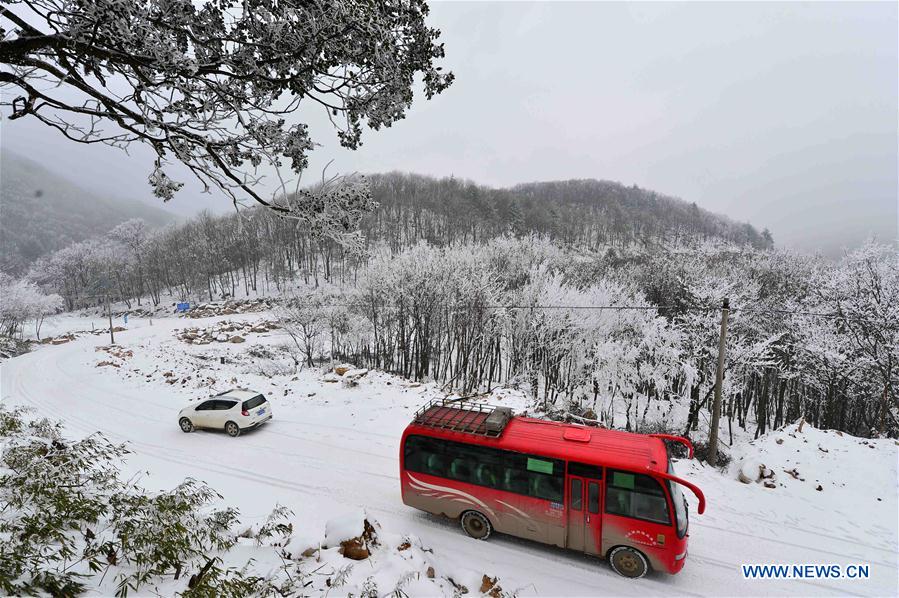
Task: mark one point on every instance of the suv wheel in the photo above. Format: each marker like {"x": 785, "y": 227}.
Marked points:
{"x": 186, "y": 425}
{"x": 232, "y": 429}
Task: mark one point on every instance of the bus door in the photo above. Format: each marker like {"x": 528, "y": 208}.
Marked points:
{"x": 584, "y": 494}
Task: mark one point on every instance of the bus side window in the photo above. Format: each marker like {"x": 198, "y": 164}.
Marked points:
{"x": 515, "y": 480}
{"x": 413, "y": 456}
{"x": 545, "y": 478}
{"x": 462, "y": 468}
{"x": 546, "y": 487}
{"x": 423, "y": 455}
{"x": 435, "y": 465}
{"x": 593, "y": 497}
{"x": 485, "y": 475}
{"x": 577, "y": 495}
{"x": 636, "y": 495}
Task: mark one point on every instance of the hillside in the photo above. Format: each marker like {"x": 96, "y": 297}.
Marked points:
{"x": 41, "y": 212}
{"x": 585, "y": 213}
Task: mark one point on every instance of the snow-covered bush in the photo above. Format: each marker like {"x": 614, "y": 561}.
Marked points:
{"x": 69, "y": 522}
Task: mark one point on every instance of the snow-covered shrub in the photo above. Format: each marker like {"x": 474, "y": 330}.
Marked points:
{"x": 68, "y": 521}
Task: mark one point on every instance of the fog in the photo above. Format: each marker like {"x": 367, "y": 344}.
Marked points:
{"x": 783, "y": 115}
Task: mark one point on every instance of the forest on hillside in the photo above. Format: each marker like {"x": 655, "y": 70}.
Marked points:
{"x": 43, "y": 212}
{"x": 256, "y": 250}
{"x": 585, "y": 213}
{"x": 603, "y": 310}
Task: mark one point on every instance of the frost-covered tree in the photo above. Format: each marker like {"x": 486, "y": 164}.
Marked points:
{"x": 304, "y": 317}
{"x": 22, "y": 301}
{"x": 216, "y": 86}
{"x": 134, "y": 235}
{"x": 864, "y": 294}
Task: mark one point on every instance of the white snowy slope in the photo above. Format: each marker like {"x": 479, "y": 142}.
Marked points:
{"x": 332, "y": 450}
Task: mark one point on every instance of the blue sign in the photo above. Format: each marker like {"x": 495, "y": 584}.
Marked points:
{"x": 126, "y": 318}
{"x": 182, "y": 307}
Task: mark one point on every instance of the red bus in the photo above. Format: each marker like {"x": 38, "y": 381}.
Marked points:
{"x": 602, "y": 492}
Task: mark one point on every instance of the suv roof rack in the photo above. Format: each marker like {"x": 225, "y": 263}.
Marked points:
{"x": 460, "y": 415}
{"x": 230, "y": 390}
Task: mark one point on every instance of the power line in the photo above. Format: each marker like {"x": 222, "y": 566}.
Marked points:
{"x": 795, "y": 312}
{"x": 695, "y": 308}
{"x": 475, "y": 306}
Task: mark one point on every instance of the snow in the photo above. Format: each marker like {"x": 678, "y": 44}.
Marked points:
{"x": 346, "y": 527}
{"x": 849, "y": 482}
{"x": 331, "y": 455}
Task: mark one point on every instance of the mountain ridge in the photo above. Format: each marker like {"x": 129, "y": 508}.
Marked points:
{"x": 590, "y": 213}
{"x": 42, "y": 211}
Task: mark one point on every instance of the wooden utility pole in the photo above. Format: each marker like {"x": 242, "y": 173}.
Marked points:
{"x": 109, "y": 313}
{"x": 719, "y": 378}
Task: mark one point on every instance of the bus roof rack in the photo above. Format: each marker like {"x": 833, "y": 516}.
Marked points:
{"x": 459, "y": 415}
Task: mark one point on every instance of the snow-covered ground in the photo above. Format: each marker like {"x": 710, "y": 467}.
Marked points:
{"x": 332, "y": 450}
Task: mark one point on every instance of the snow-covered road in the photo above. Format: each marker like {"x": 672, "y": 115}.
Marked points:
{"x": 329, "y": 453}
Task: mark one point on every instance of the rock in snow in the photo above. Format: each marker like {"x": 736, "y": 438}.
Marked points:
{"x": 345, "y": 527}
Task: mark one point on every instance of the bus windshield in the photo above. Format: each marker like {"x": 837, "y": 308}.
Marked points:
{"x": 680, "y": 504}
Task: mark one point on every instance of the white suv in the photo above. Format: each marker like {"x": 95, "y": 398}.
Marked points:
{"x": 234, "y": 411}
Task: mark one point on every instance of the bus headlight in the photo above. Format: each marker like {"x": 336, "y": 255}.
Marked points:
{"x": 681, "y": 556}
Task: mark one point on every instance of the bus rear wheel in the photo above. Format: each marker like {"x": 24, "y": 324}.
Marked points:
{"x": 476, "y": 525}
{"x": 628, "y": 562}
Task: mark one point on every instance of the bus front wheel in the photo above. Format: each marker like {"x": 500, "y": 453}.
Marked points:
{"x": 628, "y": 562}
{"x": 476, "y": 525}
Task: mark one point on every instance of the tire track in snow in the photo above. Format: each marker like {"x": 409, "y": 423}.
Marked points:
{"x": 165, "y": 454}
{"x": 792, "y": 544}
{"x": 391, "y": 509}
{"x": 754, "y": 519}
{"x": 96, "y": 398}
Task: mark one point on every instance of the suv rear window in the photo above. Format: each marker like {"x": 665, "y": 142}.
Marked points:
{"x": 254, "y": 402}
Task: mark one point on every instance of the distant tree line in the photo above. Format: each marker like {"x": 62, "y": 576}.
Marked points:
{"x": 257, "y": 250}
{"x": 587, "y": 214}
{"x": 436, "y": 290}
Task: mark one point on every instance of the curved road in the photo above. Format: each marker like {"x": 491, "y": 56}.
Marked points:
{"x": 320, "y": 462}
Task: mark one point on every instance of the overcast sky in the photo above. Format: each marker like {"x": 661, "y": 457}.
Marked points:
{"x": 783, "y": 115}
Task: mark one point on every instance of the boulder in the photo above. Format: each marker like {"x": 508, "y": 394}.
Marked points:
{"x": 750, "y": 472}
{"x": 353, "y": 533}
{"x": 354, "y": 549}
{"x": 236, "y": 339}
